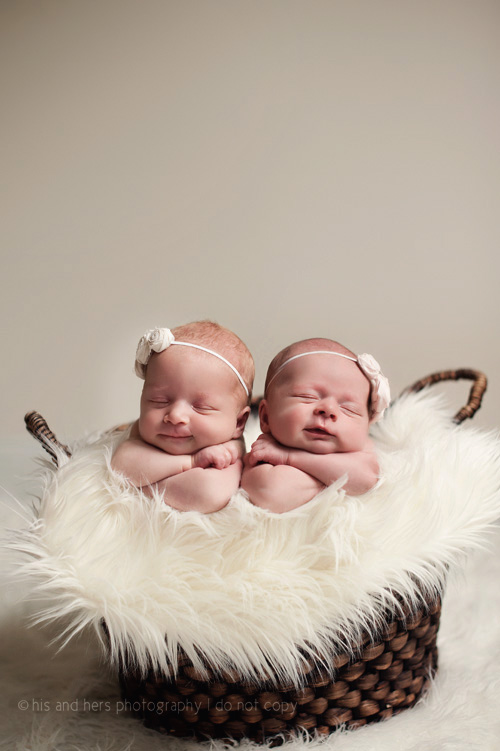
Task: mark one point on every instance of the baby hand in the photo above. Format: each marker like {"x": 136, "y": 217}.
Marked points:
{"x": 218, "y": 457}
{"x": 266, "y": 449}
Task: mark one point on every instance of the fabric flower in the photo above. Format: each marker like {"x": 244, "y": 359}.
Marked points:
{"x": 154, "y": 340}
{"x": 381, "y": 392}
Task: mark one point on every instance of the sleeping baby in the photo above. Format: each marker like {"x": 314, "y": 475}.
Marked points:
{"x": 194, "y": 405}
{"x": 319, "y": 402}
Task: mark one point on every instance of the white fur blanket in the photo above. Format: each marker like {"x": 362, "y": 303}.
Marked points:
{"x": 69, "y": 702}
{"x": 250, "y": 588}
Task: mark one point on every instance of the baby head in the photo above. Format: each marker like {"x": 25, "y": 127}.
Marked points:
{"x": 197, "y": 386}
{"x": 320, "y": 397}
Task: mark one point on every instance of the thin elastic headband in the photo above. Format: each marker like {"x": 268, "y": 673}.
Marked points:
{"x": 380, "y": 393}
{"x": 303, "y": 354}
{"x": 158, "y": 340}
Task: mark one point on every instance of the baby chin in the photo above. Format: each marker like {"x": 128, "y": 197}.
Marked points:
{"x": 175, "y": 444}
{"x": 319, "y": 441}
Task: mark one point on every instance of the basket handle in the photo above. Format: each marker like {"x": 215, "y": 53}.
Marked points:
{"x": 475, "y": 395}
{"x": 37, "y": 426}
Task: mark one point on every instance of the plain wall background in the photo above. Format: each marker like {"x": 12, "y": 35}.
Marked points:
{"x": 287, "y": 168}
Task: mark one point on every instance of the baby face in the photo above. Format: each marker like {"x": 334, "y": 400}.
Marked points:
{"x": 190, "y": 400}
{"x": 318, "y": 403}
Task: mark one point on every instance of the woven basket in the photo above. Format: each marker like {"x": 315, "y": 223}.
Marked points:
{"x": 385, "y": 677}
{"x": 375, "y": 680}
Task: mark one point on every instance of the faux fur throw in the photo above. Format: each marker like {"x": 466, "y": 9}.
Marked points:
{"x": 254, "y": 590}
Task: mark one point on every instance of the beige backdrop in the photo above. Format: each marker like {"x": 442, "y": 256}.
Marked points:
{"x": 287, "y": 168}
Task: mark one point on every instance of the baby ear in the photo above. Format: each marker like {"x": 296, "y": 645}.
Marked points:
{"x": 264, "y": 416}
{"x": 241, "y": 422}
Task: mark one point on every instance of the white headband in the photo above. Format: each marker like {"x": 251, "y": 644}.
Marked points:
{"x": 380, "y": 396}
{"x": 157, "y": 340}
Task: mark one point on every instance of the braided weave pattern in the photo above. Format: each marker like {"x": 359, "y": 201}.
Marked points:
{"x": 384, "y": 678}
{"x": 37, "y": 426}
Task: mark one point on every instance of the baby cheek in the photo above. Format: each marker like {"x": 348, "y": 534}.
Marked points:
{"x": 290, "y": 421}
{"x": 145, "y": 416}
{"x": 299, "y": 413}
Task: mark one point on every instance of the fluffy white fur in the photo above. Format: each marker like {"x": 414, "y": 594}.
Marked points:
{"x": 249, "y": 588}
{"x": 72, "y": 703}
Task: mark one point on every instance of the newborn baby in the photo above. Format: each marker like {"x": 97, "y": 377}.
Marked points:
{"x": 194, "y": 405}
{"x": 319, "y": 402}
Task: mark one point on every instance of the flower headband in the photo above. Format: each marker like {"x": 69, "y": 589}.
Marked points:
{"x": 380, "y": 395}
{"x": 157, "y": 340}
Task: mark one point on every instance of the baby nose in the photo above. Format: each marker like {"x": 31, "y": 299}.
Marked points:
{"x": 327, "y": 408}
{"x": 177, "y": 413}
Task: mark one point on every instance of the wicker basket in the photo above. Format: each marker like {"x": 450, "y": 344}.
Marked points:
{"x": 383, "y": 677}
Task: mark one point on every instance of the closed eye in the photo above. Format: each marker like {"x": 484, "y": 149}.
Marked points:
{"x": 204, "y": 408}
{"x": 351, "y": 409}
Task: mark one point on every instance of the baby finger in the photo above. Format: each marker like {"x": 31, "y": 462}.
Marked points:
{"x": 202, "y": 461}
{"x": 252, "y": 458}
{"x": 224, "y": 459}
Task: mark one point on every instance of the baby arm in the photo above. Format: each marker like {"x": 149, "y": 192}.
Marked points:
{"x": 211, "y": 483}
{"x": 204, "y": 490}
{"x": 144, "y": 464}
{"x": 271, "y": 483}
{"x": 360, "y": 466}
{"x": 278, "y": 488}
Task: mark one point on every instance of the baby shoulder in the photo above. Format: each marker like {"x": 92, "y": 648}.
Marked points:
{"x": 370, "y": 457}
{"x": 130, "y": 450}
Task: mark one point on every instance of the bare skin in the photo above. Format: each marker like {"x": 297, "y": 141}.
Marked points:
{"x": 279, "y": 488}
{"x": 315, "y": 421}
{"x": 203, "y": 481}
{"x": 204, "y": 490}
{"x": 145, "y": 464}
{"x": 187, "y": 441}
{"x": 322, "y": 469}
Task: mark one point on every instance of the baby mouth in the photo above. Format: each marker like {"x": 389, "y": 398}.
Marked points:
{"x": 320, "y": 432}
